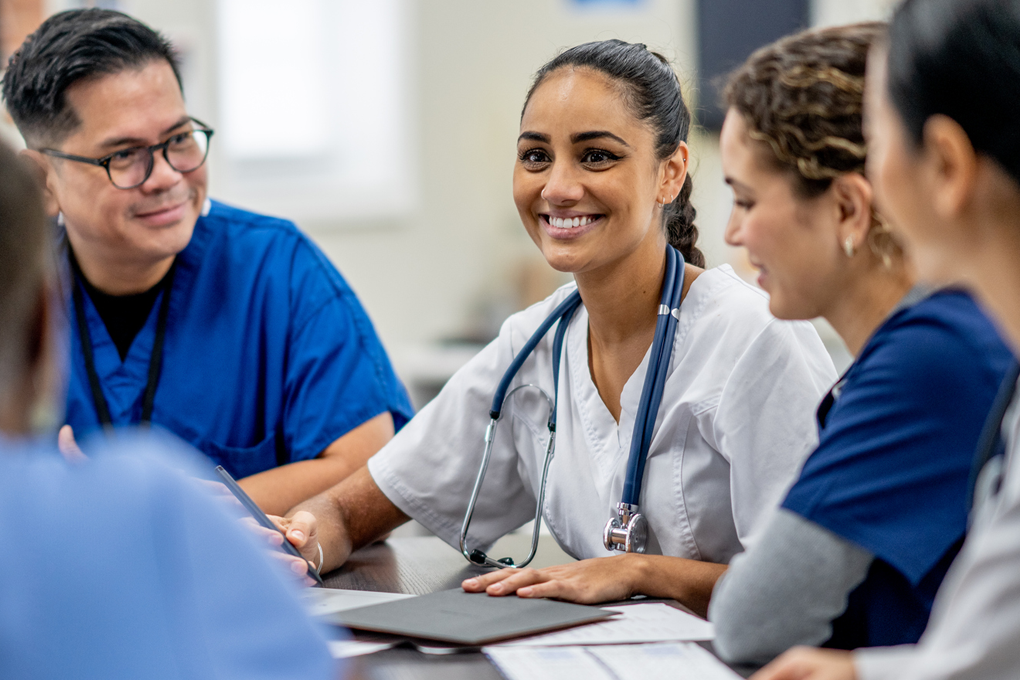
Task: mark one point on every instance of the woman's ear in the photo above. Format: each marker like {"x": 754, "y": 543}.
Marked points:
{"x": 950, "y": 165}
{"x": 853, "y": 198}
{"x": 42, "y": 170}
{"x": 674, "y": 173}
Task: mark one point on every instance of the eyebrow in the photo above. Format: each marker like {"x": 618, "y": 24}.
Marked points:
{"x": 135, "y": 141}
{"x": 737, "y": 184}
{"x": 596, "y": 134}
{"x": 575, "y": 138}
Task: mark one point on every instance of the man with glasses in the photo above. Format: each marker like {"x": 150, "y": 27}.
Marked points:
{"x": 230, "y": 329}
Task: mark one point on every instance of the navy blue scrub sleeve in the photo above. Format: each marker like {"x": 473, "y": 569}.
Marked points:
{"x": 891, "y": 468}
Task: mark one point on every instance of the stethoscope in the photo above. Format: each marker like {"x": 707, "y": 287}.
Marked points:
{"x": 628, "y": 530}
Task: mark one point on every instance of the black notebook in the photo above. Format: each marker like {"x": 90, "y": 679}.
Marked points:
{"x": 467, "y": 618}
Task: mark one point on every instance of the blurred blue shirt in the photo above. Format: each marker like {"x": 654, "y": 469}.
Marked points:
{"x": 123, "y": 567}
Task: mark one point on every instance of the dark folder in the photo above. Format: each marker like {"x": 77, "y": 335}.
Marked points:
{"x": 467, "y": 618}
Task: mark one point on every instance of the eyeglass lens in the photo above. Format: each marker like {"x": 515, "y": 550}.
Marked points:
{"x": 185, "y": 152}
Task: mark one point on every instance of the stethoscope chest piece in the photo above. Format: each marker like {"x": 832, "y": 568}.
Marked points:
{"x": 628, "y": 531}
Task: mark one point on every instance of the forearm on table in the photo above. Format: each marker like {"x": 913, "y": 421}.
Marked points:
{"x": 351, "y": 515}
{"x": 785, "y": 591}
{"x": 689, "y": 582}
{"x": 278, "y": 490}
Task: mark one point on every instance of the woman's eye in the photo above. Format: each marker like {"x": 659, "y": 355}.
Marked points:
{"x": 533, "y": 157}
{"x": 598, "y": 157}
{"x": 743, "y": 205}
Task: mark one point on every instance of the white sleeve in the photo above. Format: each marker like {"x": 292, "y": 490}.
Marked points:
{"x": 883, "y": 663}
{"x": 429, "y": 468}
{"x": 975, "y": 625}
{"x": 765, "y": 422}
{"x": 974, "y": 628}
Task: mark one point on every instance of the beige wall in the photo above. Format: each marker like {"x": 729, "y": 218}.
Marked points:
{"x": 462, "y": 250}
{"x": 427, "y": 276}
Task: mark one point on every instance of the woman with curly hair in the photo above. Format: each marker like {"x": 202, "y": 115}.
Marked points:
{"x": 856, "y": 552}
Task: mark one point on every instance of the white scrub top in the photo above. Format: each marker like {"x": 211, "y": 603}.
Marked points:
{"x": 975, "y": 622}
{"x": 735, "y": 424}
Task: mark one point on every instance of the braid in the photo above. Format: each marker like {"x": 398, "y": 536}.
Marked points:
{"x": 680, "y": 229}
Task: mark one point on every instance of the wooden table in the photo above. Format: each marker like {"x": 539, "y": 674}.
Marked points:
{"x": 422, "y": 565}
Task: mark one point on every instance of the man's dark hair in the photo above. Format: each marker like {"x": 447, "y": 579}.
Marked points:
{"x": 69, "y": 47}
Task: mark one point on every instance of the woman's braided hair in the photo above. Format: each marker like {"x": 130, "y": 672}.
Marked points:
{"x": 802, "y": 96}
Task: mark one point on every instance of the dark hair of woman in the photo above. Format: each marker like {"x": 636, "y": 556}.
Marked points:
{"x": 23, "y": 262}
{"x": 961, "y": 60}
{"x": 652, "y": 91}
{"x": 802, "y": 97}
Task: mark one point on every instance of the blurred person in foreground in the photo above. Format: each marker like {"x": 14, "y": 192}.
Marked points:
{"x": 105, "y": 571}
{"x": 944, "y": 155}
{"x": 860, "y": 544}
{"x": 230, "y": 329}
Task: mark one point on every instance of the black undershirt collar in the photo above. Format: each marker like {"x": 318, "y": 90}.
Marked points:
{"x": 124, "y": 315}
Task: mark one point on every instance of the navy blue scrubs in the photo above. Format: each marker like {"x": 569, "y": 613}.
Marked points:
{"x": 268, "y": 356}
{"x": 892, "y": 465}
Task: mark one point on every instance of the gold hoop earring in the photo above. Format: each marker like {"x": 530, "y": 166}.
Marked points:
{"x": 848, "y": 246}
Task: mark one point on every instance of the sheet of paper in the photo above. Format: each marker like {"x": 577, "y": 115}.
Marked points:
{"x": 665, "y": 661}
{"x": 344, "y": 649}
{"x": 326, "y": 601}
{"x": 542, "y": 663}
{"x": 672, "y": 661}
{"x": 654, "y": 622}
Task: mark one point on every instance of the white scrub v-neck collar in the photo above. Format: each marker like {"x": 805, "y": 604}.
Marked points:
{"x": 608, "y": 442}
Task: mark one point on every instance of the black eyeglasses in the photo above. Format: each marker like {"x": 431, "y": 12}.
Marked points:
{"x": 129, "y": 168}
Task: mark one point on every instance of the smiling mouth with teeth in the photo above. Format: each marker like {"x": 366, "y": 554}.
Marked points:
{"x": 570, "y": 222}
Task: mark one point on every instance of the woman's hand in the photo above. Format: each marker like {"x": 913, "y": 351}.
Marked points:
{"x": 807, "y": 663}
{"x": 604, "y": 579}
{"x": 301, "y": 530}
{"x": 601, "y": 579}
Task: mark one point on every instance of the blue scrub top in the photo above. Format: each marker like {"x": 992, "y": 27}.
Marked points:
{"x": 893, "y": 461}
{"x": 124, "y": 568}
{"x": 268, "y": 355}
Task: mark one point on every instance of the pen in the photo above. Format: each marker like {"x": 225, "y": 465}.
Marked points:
{"x": 263, "y": 519}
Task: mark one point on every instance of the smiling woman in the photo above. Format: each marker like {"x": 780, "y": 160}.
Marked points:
{"x": 602, "y": 187}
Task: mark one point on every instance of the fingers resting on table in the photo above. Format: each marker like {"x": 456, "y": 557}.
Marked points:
{"x": 806, "y": 663}
{"x": 586, "y": 582}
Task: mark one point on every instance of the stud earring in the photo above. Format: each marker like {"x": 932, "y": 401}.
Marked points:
{"x": 848, "y": 246}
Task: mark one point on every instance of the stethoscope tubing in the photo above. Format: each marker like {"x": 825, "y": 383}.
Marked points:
{"x": 648, "y": 407}
{"x": 655, "y": 376}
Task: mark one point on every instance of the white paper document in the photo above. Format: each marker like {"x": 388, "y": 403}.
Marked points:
{"x": 665, "y": 661}
{"x": 344, "y": 649}
{"x": 326, "y": 601}
{"x": 655, "y": 622}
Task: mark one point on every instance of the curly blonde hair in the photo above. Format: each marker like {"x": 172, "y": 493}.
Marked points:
{"x": 802, "y": 97}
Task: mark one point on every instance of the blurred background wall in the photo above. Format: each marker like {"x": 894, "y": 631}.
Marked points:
{"x": 390, "y": 133}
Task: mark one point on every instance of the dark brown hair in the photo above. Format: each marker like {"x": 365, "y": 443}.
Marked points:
{"x": 652, "y": 91}
{"x": 802, "y": 97}
{"x": 23, "y": 261}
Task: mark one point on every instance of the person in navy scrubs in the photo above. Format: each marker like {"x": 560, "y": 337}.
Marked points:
{"x": 866, "y": 534}
{"x": 110, "y": 576}
{"x": 228, "y": 328}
